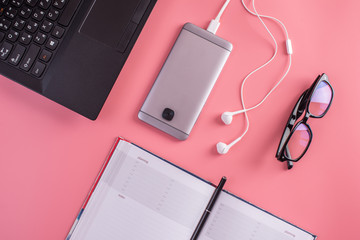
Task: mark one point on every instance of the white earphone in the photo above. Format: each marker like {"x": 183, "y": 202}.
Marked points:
{"x": 227, "y": 117}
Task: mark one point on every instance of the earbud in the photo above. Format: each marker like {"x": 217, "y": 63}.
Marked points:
{"x": 227, "y": 117}
{"x": 222, "y": 148}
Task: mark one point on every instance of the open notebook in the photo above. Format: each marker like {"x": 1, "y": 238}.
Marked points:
{"x": 140, "y": 196}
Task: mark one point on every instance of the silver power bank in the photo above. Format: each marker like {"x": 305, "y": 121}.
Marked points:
{"x": 185, "y": 81}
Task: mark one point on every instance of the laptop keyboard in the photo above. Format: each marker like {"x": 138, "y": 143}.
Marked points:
{"x": 31, "y": 31}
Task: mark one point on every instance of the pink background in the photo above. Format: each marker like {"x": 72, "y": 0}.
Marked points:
{"x": 50, "y": 156}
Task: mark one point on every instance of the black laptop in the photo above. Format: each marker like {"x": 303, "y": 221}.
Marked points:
{"x": 70, "y": 51}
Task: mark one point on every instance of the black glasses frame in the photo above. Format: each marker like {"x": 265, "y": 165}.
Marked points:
{"x": 301, "y": 106}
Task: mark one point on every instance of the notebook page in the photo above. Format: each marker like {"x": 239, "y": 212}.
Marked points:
{"x": 140, "y": 196}
{"x": 235, "y": 219}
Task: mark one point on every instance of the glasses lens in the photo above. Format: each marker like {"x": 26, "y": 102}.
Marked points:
{"x": 298, "y": 142}
{"x": 320, "y": 99}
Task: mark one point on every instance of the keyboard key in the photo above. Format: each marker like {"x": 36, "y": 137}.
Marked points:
{"x": 59, "y": 4}
{"x": 4, "y": 24}
{"x": 10, "y": 12}
{"x": 17, "y": 55}
{"x": 52, "y": 43}
{"x": 45, "y": 55}
{"x": 38, "y": 69}
{"x": 30, "y": 57}
{"x": 38, "y": 15}
{"x": 25, "y": 12}
{"x": 31, "y": 3}
{"x": 19, "y": 24}
{"x": 68, "y": 12}
{"x": 53, "y": 14}
{"x": 58, "y": 32}
{"x": 25, "y": 38}
{"x": 32, "y": 26}
{"x": 12, "y": 35}
{"x": 45, "y": 4}
{"x": 5, "y": 50}
{"x": 46, "y": 26}
{"x": 2, "y": 11}
{"x": 40, "y": 38}
{"x": 17, "y": 3}
{"x": 4, "y": 2}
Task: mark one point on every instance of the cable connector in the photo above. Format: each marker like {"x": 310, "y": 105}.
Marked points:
{"x": 289, "y": 48}
{"x": 215, "y": 23}
{"x": 213, "y": 26}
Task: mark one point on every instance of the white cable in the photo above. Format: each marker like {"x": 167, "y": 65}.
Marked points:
{"x": 215, "y": 23}
{"x": 288, "y": 47}
{"x": 289, "y": 51}
{"x": 222, "y": 11}
{"x": 264, "y": 16}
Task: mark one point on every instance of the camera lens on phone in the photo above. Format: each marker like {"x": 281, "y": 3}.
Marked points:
{"x": 168, "y": 114}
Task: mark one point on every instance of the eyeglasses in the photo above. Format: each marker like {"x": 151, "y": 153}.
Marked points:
{"x": 316, "y": 101}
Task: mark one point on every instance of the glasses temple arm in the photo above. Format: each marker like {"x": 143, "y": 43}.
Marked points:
{"x": 290, "y": 164}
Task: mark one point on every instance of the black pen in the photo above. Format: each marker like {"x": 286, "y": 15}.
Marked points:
{"x": 208, "y": 209}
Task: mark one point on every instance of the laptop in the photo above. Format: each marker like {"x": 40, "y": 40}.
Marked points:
{"x": 70, "y": 51}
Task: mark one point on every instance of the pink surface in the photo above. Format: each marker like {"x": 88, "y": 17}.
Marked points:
{"x": 50, "y": 156}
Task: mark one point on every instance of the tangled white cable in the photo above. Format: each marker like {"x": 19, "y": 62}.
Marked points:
{"x": 227, "y": 117}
